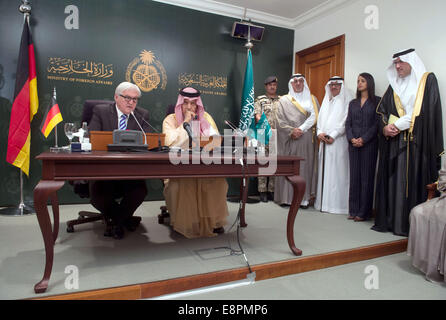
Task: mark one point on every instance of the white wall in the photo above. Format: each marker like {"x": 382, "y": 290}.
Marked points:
{"x": 403, "y": 24}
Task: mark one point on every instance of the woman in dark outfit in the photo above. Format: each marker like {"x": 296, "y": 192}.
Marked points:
{"x": 361, "y": 131}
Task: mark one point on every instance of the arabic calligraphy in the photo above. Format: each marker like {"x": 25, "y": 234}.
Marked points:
{"x": 203, "y": 81}
{"x": 65, "y": 66}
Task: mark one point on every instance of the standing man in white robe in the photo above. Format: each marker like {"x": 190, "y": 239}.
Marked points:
{"x": 333, "y": 170}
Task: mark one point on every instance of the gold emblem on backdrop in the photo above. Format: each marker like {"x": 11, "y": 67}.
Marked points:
{"x": 146, "y": 72}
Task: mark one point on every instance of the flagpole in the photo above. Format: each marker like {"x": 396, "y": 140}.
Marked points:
{"x": 22, "y": 209}
{"x": 244, "y": 187}
{"x": 56, "y": 147}
{"x": 55, "y": 128}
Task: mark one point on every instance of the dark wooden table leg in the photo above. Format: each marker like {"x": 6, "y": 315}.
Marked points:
{"x": 44, "y": 190}
{"x": 298, "y": 184}
{"x": 55, "y": 207}
{"x": 243, "y": 197}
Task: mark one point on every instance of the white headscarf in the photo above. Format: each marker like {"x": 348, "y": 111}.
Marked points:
{"x": 304, "y": 99}
{"x": 406, "y": 88}
{"x": 334, "y": 110}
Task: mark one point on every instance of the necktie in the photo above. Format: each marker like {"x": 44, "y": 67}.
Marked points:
{"x": 123, "y": 122}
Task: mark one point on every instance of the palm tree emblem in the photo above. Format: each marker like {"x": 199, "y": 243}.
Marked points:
{"x": 146, "y": 72}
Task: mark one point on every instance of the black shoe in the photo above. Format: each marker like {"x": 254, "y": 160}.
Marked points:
{"x": 304, "y": 207}
{"x": 271, "y": 196}
{"x": 132, "y": 223}
{"x": 263, "y": 197}
{"x": 118, "y": 232}
{"x": 108, "y": 227}
{"x": 285, "y": 205}
{"x": 108, "y": 231}
{"x": 219, "y": 230}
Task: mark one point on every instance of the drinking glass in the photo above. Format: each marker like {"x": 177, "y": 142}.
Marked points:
{"x": 69, "y": 129}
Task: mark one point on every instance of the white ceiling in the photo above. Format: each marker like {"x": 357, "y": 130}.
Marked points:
{"x": 290, "y": 9}
{"x": 284, "y": 13}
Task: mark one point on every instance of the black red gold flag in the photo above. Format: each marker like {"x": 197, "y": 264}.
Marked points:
{"x": 24, "y": 106}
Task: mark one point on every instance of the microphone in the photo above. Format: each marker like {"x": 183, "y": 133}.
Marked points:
{"x": 231, "y": 125}
{"x": 237, "y": 131}
{"x": 186, "y": 126}
{"x": 160, "y": 147}
{"x": 145, "y": 137}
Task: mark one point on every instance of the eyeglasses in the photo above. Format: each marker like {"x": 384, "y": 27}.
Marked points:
{"x": 129, "y": 99}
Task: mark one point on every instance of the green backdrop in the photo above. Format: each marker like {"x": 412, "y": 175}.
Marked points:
{"x": 158, "y": 46}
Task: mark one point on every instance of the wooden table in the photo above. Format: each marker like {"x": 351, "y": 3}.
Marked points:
{"x": 101, "y": 165}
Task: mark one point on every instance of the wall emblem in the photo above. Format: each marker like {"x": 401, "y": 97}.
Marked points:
{"x": 146, "y": 72}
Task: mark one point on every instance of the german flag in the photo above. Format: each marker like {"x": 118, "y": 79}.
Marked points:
{"x": 51, "y": 118}
{"x": 25, "y": 105}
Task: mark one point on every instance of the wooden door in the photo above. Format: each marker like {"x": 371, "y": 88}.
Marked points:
{"x": 321, "y": 62}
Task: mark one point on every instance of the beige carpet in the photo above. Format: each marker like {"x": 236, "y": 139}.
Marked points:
{"x": 154, "y": 252}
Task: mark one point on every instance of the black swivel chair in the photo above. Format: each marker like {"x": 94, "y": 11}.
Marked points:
{"x": 81, "y": 187}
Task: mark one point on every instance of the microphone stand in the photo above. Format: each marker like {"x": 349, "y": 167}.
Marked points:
{"x": 244, "y": 187}
{"x": 187, "y": 127}
{"x": 160, "y": 147}
{"x": 142, "y": 130}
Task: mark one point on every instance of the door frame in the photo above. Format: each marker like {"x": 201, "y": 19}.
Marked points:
{"x": 340, "y": 40}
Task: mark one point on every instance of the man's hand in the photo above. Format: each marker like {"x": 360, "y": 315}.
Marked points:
{"x": 296, "y": 134}
{"x": 390, "y": 131}
{"x": 325, "y": 138}
{"x": 189, "y": 116}
{"x": 257, "y": 117}
{"x": 321, "y": 137}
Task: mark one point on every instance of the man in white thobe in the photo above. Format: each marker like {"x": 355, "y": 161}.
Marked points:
{"x": 333, "y": 170}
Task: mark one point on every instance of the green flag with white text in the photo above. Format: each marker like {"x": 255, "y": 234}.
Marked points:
{"x": 247, "y": 109}
{"x": 260, "y": 131}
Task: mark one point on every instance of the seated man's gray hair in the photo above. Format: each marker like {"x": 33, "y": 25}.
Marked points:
{"x": 125, "y": 86}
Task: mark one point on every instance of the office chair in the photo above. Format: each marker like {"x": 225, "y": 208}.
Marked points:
{"x": 81, "y": 187}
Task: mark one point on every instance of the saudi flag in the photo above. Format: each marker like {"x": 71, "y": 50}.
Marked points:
{"x": 247, "y": 110}
{"x": 262, "y": 130}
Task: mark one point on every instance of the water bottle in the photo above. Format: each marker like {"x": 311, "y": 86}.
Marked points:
{"x": 86, "y": 145}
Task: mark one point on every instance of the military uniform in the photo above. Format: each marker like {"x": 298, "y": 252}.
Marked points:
{"x": 269, "y": 107}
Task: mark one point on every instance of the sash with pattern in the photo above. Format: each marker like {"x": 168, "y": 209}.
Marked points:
{"x": 301, "y": 109}
{"x": 418, "y": 102}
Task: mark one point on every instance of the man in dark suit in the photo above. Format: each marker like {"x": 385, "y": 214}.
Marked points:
{"x": 104, "y": 194}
